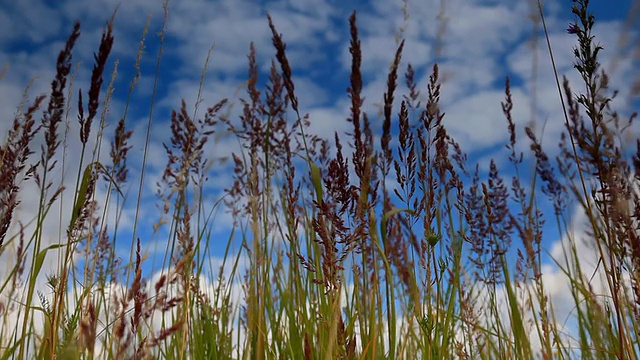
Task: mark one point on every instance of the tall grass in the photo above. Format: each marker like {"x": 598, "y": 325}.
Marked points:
{"x": 376, "y": 243}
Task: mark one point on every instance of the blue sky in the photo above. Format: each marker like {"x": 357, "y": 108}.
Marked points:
{"x": 482, "y": 41}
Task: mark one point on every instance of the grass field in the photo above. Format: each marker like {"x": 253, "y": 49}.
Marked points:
{"x": 378, "y": 243}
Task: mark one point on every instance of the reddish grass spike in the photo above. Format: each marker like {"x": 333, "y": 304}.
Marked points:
{"x": 414, "y": 93}
{"x": 507, "y": 107}
{"x": 13, "y": 158}
{"x": 119, "y": 328}
{"x": 388, "y": 106}
{"x": 432, "y": 119}
{"x": 88, "y": 325}
{"x": 284, "y": 64}
{"x": 96, "y": 81}
{"x": 275, "y": 106}
{"x": 308, "y": 352}
{"x": 252, "y": 81}
{"x": 53, "y": 114}
{"x": 552, "y": 188}
{"x": 165, "y": 333}
{"x": 355, "y": 81}
{"x": 119, "y": 150}
{"x": 81, "y": 119}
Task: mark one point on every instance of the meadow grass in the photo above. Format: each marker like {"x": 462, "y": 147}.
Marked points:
{"x": 361, "y": 246}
